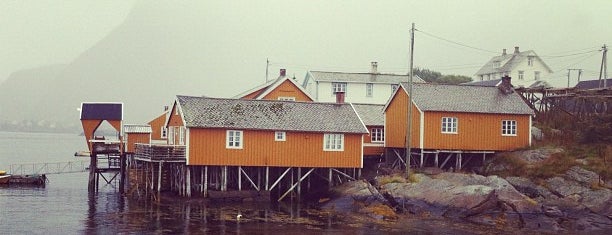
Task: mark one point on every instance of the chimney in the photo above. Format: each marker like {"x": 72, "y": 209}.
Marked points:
{"x": 340, "y": 97}
{"x": 165, "y": 108}
{"x": 504, "y": 51}
{"x": 374, "y": 67}
{"x": 516, "y": 50}
{"x": 506, "y": 85}
{"x": 283, "y": 72}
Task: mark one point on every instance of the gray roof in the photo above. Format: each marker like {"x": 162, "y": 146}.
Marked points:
{"x": 593, "y": 84}
{"x": 494, "y": 82}
{"x": 133, "y": 128}
{"x": 508, "y": 62}
{"x": 371, "y": 114}
{"x": 202, "y": 112}
{"x": 362, "y": 77}
{"x": 467, "y": 99}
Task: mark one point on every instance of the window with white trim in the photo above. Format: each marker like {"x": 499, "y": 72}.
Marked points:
{"x": 449, "y": 125}
{"x": 530, "y": 60}
{"x": 286, "y": 98}
{"x": 369, "y": 89}
{"x": 181, "y": 131}
{"x": 233, "y": 139}
{"x": 333, "y": 142}
{"x": 280, "y": 136}
{"x": 377, "y": 135}
{"x": 164, "y": 132}
{"x": 536, "y": 75}
{"x": 508, "y": 127}
{"x": 338, "y": 87}
{"x": 521, "y": 75}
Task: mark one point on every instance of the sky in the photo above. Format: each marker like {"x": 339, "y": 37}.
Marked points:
{"x": 453, "y": 37}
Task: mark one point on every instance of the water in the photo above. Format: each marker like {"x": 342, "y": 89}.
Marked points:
{"x": 65, "y": 207}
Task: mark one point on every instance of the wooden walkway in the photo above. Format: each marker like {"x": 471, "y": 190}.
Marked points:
{"x": 48, "y": 168}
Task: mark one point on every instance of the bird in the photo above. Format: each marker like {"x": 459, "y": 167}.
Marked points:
{"x": 238, "y": 216}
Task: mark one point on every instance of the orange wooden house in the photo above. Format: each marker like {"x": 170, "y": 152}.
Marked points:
{"x": 458, "y": 119}
{"x": 136, "y": 134}
{"x": 282, "y": 88}
{"x": 373, "y": 118}
{"x": 159, "y": 131}
{"x": 231, "y": 132}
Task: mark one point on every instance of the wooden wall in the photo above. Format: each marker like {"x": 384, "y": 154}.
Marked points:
{"x": 287, "y": 89}
{"x": 136, "y": 138}
{"x": 207, "y": 147}
{"x": 156, "y": 125}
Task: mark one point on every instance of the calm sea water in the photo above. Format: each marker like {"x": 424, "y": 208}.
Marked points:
{"x": 65, "y": 207}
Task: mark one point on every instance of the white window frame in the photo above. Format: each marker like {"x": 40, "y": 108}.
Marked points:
{"x": 508, "y": 127}
{"x": 234, "y": 139}
{"x": 181, "y": 131}
{"x": 164, "y": 132}
{"x": 377, "y": 135}
{"x": 286, "y": 98}
{"x": 338, "y": 87}
{"x": 536, "y": 75}
{"x": 521, "y": 75}
{"x": 333, "y": 142}
{"x": 530, "y": 60}
{"x": 450, "y": 125}
{"x": 369, "y": 89}
{"x": 280, "y": 136}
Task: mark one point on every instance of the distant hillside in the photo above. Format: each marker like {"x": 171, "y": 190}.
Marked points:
{"x": 161, "y": 50}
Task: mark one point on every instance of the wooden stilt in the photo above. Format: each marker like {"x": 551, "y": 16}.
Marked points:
{"x": 188, "y": 181}
{"x": 201, "y": 180}
{"x": 224, "y": 179}
{"x": 205, "y": 181}
{"x": 93, "y": 165}
{"x": 279, "y": 178}
{"x": 239, "y": 178}
{"x": 446, "y": 160}
{"x": 459, "y": 166}
{"x": 159, "y": 176}
{"x": 267, "y": 176}
{"x": 299, "y": 183}
{"x": 422, "y": 158}
{"x": 331, "y": 180}
{"x": 436, "y": 158}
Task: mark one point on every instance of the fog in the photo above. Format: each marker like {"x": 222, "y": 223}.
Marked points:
{"x": 220, "y": 48}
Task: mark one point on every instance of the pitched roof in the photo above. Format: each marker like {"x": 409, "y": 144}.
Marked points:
{"x": 466, "y": 99}
{"x": 201, "y": 112}
{"x": 101, "y": 111}
{"x": 264, "y": 89}
{"x": 135, "y": 128}
{"x": 362, "y": 77}
{"x": 508, "y": 62}
{"x": 494, "y": 82}
{"x": 593, "y": 84}
{"x": 371, "y": 114}
{"x": 257, "y": 89}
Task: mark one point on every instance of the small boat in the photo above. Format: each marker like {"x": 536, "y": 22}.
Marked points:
{"x": 2, "y": 172}
{"x": 4, "y": 178}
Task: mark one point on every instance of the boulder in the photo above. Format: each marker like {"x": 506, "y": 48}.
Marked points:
{"x": 360, "y": 197}
{"x": 533, "y": 156}
{"x": 530, "y": 189}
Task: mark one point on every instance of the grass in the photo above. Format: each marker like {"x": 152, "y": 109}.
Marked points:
{"x": 391, "y": 179}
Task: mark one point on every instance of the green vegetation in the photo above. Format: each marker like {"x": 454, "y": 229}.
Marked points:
{"x": 437, "y": 77}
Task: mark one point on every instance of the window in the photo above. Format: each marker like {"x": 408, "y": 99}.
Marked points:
{"x": 530, "y": 60}
{"x": 536, "y": 75}
{"x": 369, "y": 89}
{"x": 496, "y": 64}
{"x": 164, "y": 132}
{"x": 333, "y": 142}
{"x": 509, "y": 127}
{"x": 449, "y": 125}
{"x": 181, "y": 133}
{"x": 394, "y": 87}
{"x": 338, "y": 87}
{"x": 280, "y": 136}
{"x": 234, "y": 139}
{"x": 378, "y": 134}
{"x": 521, "y": 75}
{"x": 286, "y": 98}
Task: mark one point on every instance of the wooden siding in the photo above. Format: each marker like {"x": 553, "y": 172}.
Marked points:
{"x": 372, "y": 150}
{"x": 175, "y": 118}
{"x": 253, "y": 94}
{"x": 136, "y": 138}
{"x": 207, "y": 147}
{"x": 476, "y": 131}
{"x": 156, "y": 125}
{"x": 396, "y": 122}
{"x": 287, "y": 89}
{"x": 90, "y": 126}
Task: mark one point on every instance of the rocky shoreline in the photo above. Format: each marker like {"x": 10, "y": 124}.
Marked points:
{"x": 572, "y": 202}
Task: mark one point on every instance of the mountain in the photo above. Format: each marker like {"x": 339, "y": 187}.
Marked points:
{"x": 161, "y": 50}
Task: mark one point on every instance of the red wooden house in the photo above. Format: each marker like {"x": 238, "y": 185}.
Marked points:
{"x": 282, "y": 88}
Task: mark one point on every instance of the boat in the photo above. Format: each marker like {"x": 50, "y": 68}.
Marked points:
{"x": 38, "y": 180}
{"x": 2, "y": 172}
{"x": 4, "y": 178}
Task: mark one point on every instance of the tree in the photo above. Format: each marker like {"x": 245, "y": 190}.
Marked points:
{"x": 437, "y": 77}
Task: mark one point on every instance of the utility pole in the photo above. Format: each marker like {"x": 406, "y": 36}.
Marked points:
{"x": 410, "y": 96}
{"x": 604, "y": 67}
{"x": 267, "y": 65}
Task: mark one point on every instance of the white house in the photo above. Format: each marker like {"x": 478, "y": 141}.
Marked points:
{"x": 525, "y": 68}
{"x": 364, "y": 88}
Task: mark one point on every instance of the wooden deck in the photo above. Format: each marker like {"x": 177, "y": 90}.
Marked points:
{"x": 160, "y": 153}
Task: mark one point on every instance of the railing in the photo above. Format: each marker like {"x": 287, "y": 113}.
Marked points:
{"x": 48, "y": 168}
{"x": 157, "y": 152}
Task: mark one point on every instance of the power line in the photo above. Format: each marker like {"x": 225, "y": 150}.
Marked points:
{"x": 456, "y": 43}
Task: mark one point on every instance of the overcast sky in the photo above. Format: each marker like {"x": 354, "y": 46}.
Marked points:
{"x": 567, "y": 34}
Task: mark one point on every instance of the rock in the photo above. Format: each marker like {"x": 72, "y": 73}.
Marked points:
{"x": 598, "y": 201}
{"x": 359, "y": 196}
{"x": 537, "y": 155}
{"x": 564, "y": 188}
{"x": 553, "y": 211}
{"x": 530, "y": 189}
{"x": 581, "y": 175}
